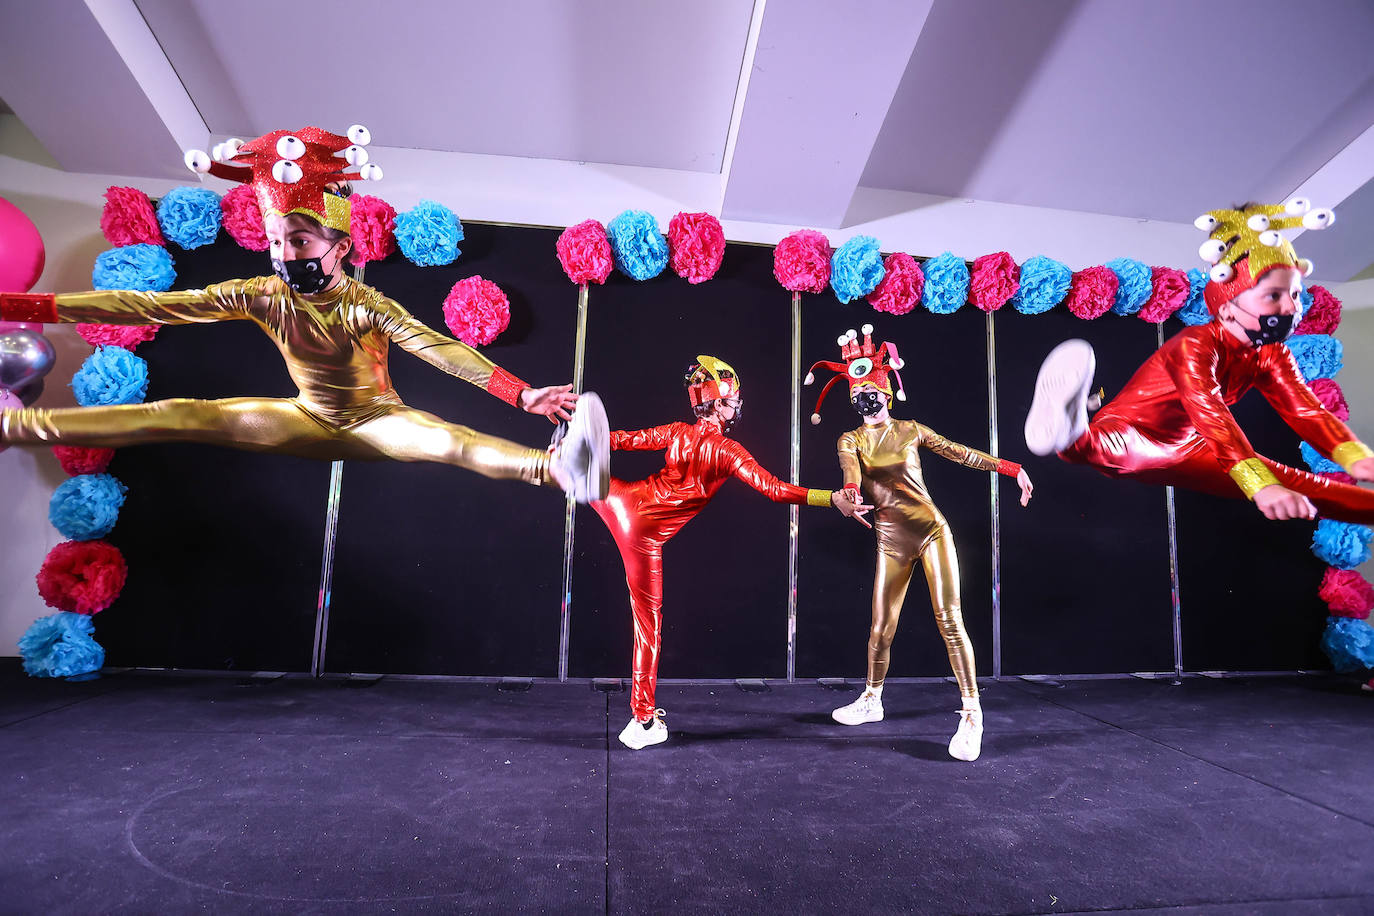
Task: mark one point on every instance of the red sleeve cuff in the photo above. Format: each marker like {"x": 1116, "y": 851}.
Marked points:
{"x": 28, "y": 307}
{"x": 1009, "y": 468}
{"x": 851, "y": 486}
{"x": 506, "y": 386}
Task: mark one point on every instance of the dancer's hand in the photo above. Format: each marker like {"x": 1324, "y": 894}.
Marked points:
{"x": 555, "y": 402}
{"x": 1363, "y": 470}
{"x": 1278, "y": 502}
{"x": 851, "y": 505}
{"x": 1027, "y": 488}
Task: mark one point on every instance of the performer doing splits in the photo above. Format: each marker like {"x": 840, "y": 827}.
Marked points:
{"x": 881, "y": 458}
{"x": 1172, "y": 424}
{"x": 333, "y": 333}
{"x": 644, "y": 514}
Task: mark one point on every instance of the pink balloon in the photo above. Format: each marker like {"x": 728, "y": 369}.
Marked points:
{"x": 35, "y": 326}
{"x": 21, "y": 250}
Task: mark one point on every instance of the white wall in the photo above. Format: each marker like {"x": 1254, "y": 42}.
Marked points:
{"x": 66, "y": 208}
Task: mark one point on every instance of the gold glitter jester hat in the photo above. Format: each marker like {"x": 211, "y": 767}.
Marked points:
{"x": 1243, "y": 245}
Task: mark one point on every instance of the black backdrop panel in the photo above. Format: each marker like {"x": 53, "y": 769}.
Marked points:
{"x": 725, "y": 573}
{"x": 1085, "y": 568}
{"x": 223, "y": 546}
{"x": 1249, "y": 585}
{"x": 947, "y": 389}
{"x": 440, "y": 570}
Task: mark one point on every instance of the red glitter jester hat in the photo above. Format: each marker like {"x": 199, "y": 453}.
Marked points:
{"x": 863, "y": 363}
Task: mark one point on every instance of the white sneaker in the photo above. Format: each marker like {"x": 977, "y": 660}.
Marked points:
{"x": 582, "y": 459}
{"x": 967, "y": 742}
{"x": 639, "y": 735}
{"x": 1059, "y": 410}
{"x": 867, "y": 708}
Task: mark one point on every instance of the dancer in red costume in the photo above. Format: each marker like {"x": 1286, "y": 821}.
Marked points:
{"x": 643, "y": 515}
{"x": 1172, "y": 424}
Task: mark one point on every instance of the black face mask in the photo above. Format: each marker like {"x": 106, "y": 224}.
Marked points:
{"x": 727, "y": 425}
{"x": 304, "y": 275}
{"x": 1272, "y": 328}
{"x": 869, "y": 403}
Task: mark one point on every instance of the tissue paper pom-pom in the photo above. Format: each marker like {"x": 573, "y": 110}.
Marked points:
{"x": 476, "y": 311}
{"x": 696, "y": 246}
{"x": 82, "y": 576}
{"x": 801, "y": 262}
{"x": 1317, "y": 355}
{"x": 111, "y": 375}
{"x": 128, "y": 218}
{"x": 60, "y": 645}
{"x": 428, "y": 234}
{"x": 585, "y": 252}
{"x": 993, "y": 280}
{"x": 1316, "y": 462}
{"x": 1092, "y": 292}
{"x": 1347, "y": 593}
{"x": 243, "y": 218}
{"x": 189, "y": 216}
{"x": 1195, "y": 310}
{"x": 1168, "y": 293}
{"x": 856, "y": 268}
{"x": 147, "y": 268}
{"x": 900, "y": 290}
{"x": 1340, "y": 477}
{"x": 1133, "y": 285}
{"x": 1323, "y": 316}
{"x": 373, "y": 228}
{"x": 1349, "y": 643}
{"x": 1332, "y": 398}
{"x": 639, "y": 248}
{"x": 128, "y": 336}
{"x": 1341, "y": 544}
{"x": 1044, "y": 284}
{"x": 77, "y": 459}
{"x": 947, "y": 282}
{"x": 86, "y": 507}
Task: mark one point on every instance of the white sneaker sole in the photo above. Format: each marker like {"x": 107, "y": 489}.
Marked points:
{"x": 862, "y": 720}
{"x": 1058, "y": 413}
{"x": 636, "y": 737}
{"x": 589, "y": 428}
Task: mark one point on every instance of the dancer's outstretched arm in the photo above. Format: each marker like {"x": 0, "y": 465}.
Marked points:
{"x": 744, "y": 466}
{"x": 652, "y": 439}
{"x": 230, "y": 300}
{"x": 1284, "y": 388}
{"x": 982, "y": 461}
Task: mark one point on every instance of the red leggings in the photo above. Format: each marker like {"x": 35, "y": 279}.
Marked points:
{"x": 1117, "y": 448}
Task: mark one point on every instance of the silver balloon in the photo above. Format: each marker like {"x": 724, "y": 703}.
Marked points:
{"x": 31, "y": 392}
{"x": 25, "y": 357}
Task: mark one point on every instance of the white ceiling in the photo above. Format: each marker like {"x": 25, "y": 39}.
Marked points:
{"x": 1137, "y": 111}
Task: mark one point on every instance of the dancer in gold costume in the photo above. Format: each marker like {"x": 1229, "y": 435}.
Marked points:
{"x": 881, "y": 459}
{"x": 334, "y": 334}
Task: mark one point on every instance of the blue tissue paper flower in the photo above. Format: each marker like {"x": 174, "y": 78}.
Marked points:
{"x": 147, "y": 268}
{"x": 428, "y": 234}
{"x": 86, "y": 507}
{"x": 946, "y": 288}
{"x": 1133, "y": 285}
{"x": 111, "y": 375}
{"x": 1349, "y": 643}
{"x": 1195, "y": 311}
{"x": 856, "y": 268}
{"x": 189, "y": 216}
{"x": 1044, "y": 284}
{"x": 1341, "y": 544}
{"x": 60, "y": 645}
{"x": 1316, "y": 462}
{"x": 639, "y": 247}
{"x": 1318, "y": 355}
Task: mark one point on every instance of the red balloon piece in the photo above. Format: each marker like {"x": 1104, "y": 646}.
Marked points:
{"x": 21, "y": 250}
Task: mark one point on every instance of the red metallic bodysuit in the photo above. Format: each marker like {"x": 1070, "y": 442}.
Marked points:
{"x": 1171, "y": 424}
{"x": 644, "y": 514}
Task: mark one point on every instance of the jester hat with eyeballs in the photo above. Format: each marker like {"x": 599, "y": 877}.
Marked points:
{"x": 863, "y": 364}
{"x": 1243, "y": 245}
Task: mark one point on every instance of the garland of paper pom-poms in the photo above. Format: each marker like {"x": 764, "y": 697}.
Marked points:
{"x": 947, "y": 282}
{"x": 372, "y": 226}
{"x": 242, "y": 218}
{"x": 127, "y": 336}
{"x": 901, "y": 286}
{"x": 1169, "y": 290}
{"x": 141, "y": 267}
{"x": 1133, "y": 285}
{"x": 86, "y": 507}
{"x": 993, "y": 280}
{"x": 639, "y": 248}
{"x": 476, "y": 311}
{"x": 1317, "y": 355}
{"x": 428, "y": 234}
{"x": 111, "y": 375}
{"x": 82, "y": 576}
{"x": 1044, "y": 284}
{"x": 585, "y": 253}
{"x": 1195, "y": 310}
{"x": 128, "y": 218}
{"x": 189, "y": 216}
{"x": 856, "y": 268}
{"x": 61, "y": 645}
{"x": 1092, "y": 292}
{"x": 696, "y": 246}
{"x": 801, "y": 261}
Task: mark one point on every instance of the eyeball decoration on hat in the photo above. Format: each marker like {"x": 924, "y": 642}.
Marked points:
{"x": 863, "y": 364}
{"x": 289, "y": 170}
{"x": 1242, "y": 245}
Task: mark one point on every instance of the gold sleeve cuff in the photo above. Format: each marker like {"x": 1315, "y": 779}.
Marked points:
{"x": 1347, "y": 453}
{"x": 818, "y": 497}
{"x": 1252, "y": 476}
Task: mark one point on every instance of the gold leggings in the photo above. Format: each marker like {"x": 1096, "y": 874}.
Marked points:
{"x": 941, "y": 566}
{"x": 396, "y": 432}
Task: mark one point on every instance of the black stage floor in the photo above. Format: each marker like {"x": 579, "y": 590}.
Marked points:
{"x": 146, "y": 794}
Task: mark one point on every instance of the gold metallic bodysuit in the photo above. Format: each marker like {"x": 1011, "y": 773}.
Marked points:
{"x": 335, "y": 346}
{"x": 882, "y": 460}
